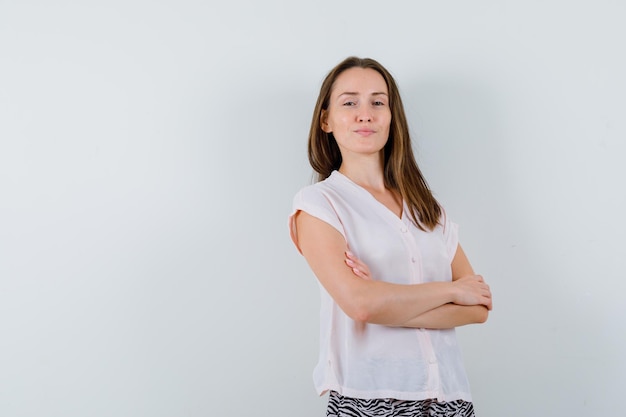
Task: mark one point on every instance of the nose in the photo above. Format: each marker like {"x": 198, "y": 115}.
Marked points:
{"x": 365, "y": 116}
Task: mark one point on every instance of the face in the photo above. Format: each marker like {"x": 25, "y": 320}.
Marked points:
{"x": 358, "y": 113}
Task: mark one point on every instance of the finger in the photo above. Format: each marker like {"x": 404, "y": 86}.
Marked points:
{"x": 487, "y": 290}
{"x": 359, "y": 273}
{"x": 363, "y": 271}
{"x": 362, "y": 266}
{"x": 355, "y": 269}
{"x": 354, "y": 261}
{"x": 353, "y": 264}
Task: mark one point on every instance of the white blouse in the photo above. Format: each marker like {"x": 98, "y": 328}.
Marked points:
{"x": 371, "y": 360}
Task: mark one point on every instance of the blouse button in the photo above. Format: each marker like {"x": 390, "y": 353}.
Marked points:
{"x": 413, "y": 259}
{"x": 403, "y": 229}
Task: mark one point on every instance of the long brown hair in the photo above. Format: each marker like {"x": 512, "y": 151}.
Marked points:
{"x": 401, "y": 172}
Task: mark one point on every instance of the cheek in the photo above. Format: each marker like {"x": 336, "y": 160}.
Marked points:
{"x": 341, "y": 121}
{"x": 388, "y": 121}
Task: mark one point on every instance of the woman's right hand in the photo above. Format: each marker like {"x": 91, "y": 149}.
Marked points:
{"x": 472, "y": 290}
{"x": 359, "y": 268}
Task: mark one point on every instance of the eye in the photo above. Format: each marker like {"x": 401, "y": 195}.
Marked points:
{"x": 379, "y": 103}
{"x": 349, "y": 103}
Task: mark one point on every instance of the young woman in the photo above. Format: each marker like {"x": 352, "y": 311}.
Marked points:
{"x": 394, "y": 280}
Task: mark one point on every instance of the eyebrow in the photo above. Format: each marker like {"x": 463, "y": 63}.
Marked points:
{"x": 350, "y": 93}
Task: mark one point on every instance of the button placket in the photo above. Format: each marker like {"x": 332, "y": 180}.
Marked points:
{"x": 412, "y": 250}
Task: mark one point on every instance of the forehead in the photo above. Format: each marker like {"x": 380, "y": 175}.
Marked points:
{"x": 359, "y": 80}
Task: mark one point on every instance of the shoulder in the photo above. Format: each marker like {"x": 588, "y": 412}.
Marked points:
{"x": 322, "y": 193}
{"x": 312, "y": 191}
{"x": 446, "y": 222}
{"x": 449, "y": 231}
{"x": 318, "y": 200}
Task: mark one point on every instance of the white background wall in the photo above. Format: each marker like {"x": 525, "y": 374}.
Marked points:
{"x": 149, "y": 152}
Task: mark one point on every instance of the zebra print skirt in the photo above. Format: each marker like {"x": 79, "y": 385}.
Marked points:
{"x": 340, "y": 406}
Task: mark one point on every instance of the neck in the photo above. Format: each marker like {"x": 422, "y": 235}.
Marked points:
{"x": 366, "y": 172}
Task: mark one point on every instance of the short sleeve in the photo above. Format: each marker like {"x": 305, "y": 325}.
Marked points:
{"x": 450, "y": 235}
{"x": 313, "y": 201}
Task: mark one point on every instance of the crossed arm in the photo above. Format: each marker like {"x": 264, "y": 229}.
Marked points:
{"x": 465, "y": 300}
{"x": 445, "y": 316}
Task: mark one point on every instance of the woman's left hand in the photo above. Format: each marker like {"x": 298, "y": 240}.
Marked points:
{"x": 358, "y": 267}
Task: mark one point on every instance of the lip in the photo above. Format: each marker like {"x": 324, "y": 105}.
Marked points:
{"x": 364, "y": 132}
